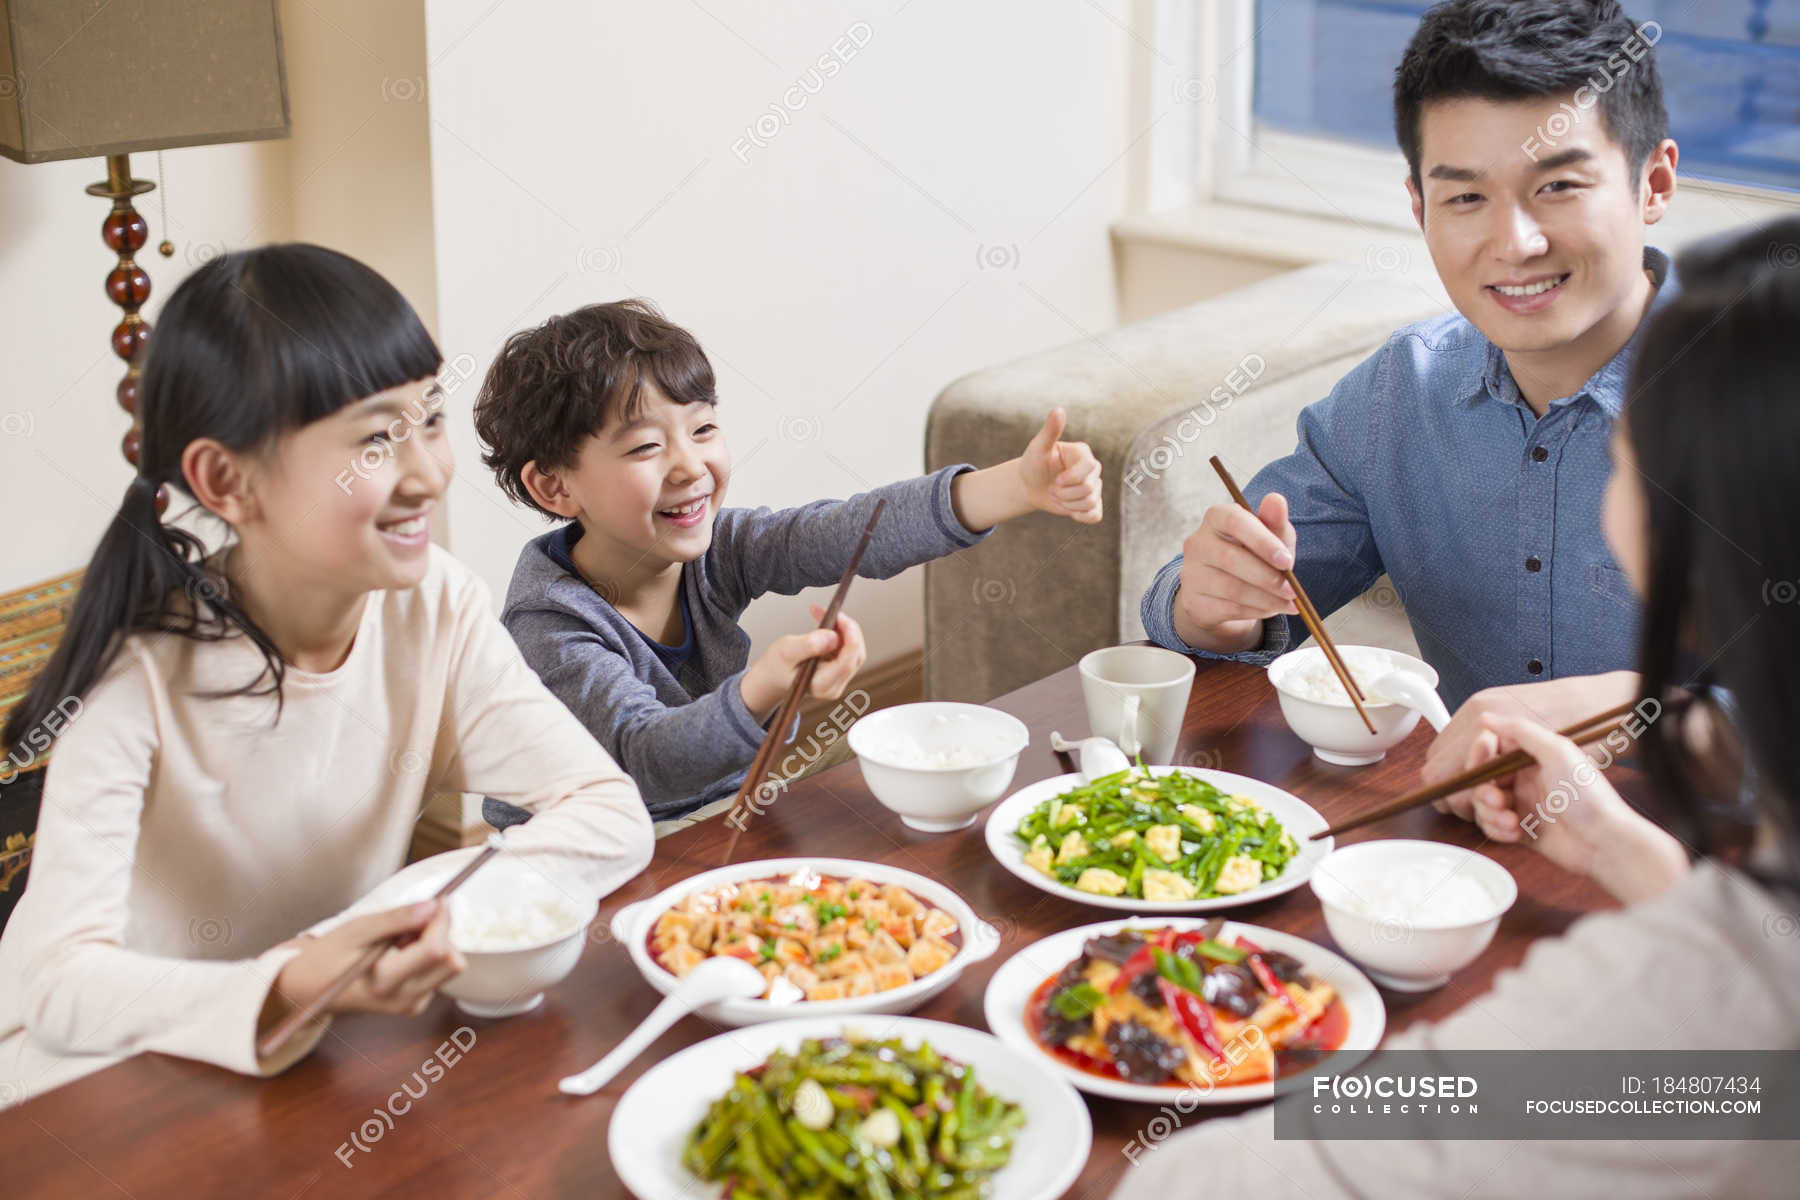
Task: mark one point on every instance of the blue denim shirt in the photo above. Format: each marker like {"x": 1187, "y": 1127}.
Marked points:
{"x": 1426, "y": 463}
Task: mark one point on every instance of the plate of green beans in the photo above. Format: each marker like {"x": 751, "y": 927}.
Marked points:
{"x": 1158, "y": 839}
{"x": 885, "y": 1108}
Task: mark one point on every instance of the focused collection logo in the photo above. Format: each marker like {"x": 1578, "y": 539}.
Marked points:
{"x": 1398, "y": 1095}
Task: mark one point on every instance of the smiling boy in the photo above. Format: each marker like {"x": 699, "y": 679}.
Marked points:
{"x": 607, "y": 418}
{"x": 1467, "y": 457}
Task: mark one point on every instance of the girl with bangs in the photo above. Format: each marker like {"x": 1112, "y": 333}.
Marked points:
{"x": 267, "y": 685}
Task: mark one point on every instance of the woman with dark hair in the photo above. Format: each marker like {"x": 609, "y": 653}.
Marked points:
{"x": 1700, "y": 514}
{"x": 245, "y": 734}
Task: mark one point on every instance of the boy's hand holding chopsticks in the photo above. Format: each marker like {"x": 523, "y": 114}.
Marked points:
{"x": 841, "y": 653}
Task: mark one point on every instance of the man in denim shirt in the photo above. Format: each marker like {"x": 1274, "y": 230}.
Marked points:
{"x": 1468, "y": 456}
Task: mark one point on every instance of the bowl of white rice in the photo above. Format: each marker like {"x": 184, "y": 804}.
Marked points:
{"x": 1412, "y": 913}
{"x": 520, "y": 929}
{"x": 937, "y": 763}
{"x": 1318, "y": 708}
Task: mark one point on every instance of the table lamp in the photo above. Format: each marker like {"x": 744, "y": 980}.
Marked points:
{"x": 107, "y": 78}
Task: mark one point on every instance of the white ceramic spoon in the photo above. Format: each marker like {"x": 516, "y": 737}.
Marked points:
{"x": 1404, "y": 687}
{"x": 718, "y": 978}
{"x": 1096, "y": 756}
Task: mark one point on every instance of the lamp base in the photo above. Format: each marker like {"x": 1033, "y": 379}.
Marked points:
{"x": 128, "y": 285}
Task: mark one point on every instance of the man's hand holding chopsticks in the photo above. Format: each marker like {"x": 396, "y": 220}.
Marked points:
{"x": 1231, "y": 576}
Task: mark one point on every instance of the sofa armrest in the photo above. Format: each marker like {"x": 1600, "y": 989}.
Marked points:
{"x": 1042, "y": 592}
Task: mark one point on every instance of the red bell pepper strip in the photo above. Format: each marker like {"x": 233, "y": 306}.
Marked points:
{"x": 1192, "y": 937}
{"x": 1194, "y": 1015}
{"x": 1265, "y": 975}
{"x": 1142, "y": 960}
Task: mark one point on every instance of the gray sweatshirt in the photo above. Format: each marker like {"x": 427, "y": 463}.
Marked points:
{"x": 672, "y": 715}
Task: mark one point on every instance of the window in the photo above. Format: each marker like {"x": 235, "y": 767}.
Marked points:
{"x": 1730, "y": 68}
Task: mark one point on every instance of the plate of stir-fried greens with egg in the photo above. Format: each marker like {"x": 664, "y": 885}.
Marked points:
{"x": 1158, "y": 839}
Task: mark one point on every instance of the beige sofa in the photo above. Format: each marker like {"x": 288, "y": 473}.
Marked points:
{"x": 1227, "y": 376}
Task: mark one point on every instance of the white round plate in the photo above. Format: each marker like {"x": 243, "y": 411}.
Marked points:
{"x": 1019, "y": 976}
{"x": 632, "y": 924}
{"x": 1299, "y": 818}
{"x": 652, "y": 1121}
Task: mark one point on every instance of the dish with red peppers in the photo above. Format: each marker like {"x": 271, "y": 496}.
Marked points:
{"x": 1181, "y": 1006}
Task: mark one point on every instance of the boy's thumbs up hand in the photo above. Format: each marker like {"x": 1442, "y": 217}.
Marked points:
{"x": 1043, "y": 442}
{"x": 1062, "y": 478}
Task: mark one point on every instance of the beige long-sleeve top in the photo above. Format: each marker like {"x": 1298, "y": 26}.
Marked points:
{"x": 182, "y": 839}
{"x": 1712, "y": 964}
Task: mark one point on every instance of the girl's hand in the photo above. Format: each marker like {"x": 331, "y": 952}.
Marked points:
{"x": 1554, "y": 702}
{"x": 402, "y": 980}
{"x": 841, "y": 651}
{"x": 1061, "y": 478}
{"x": 1569, "y": 813}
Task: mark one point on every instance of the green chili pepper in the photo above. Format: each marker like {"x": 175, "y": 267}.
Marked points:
{"x": 1074, "y": 1003}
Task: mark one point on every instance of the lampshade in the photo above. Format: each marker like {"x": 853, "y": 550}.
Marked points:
{"x": 87, "y": 78}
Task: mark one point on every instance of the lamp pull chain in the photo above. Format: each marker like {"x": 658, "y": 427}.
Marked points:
{"x": 166, "y": 248}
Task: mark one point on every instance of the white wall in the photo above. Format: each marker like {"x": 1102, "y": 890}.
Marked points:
{"x": 355, "y": 175}
{"x": 61, "y": 472}
{"x": 836, "y": 276}
{"x": 360, "y": 155}
{"x": 941, "y": 203}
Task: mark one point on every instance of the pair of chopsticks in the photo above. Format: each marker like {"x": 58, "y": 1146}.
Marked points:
{"x": 1581, "y": 733}
{"x": 1308, "y": 613}
{"x": 308, "y": 1013}
{"x": 790, "y": 707}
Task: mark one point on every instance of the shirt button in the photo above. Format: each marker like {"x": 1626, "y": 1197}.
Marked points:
{"x": 1535, "y": 667}
{"x": 1539, "y": 454}
{"x": 1533, "y": 564}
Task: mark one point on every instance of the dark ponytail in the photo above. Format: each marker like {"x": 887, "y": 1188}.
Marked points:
{"x": 1715, "y": 430}
{"x": 248, "y": 347}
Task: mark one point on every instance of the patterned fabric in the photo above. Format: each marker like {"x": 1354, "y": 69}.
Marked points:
{"x": 31, "y": 623}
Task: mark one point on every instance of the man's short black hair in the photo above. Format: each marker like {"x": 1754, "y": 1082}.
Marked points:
{"x": 1508, "y": 50}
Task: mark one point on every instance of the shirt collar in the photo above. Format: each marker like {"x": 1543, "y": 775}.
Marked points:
{"x": 1606, "y": 387}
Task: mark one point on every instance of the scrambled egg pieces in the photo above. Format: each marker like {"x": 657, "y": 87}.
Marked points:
{"x": 1166, "y": 886}
{"x": 1101, "y": 882}
{"x": 1164, "y": 841}
{"x": 1239, "y": 874}
{"x": 1199, "y": 816}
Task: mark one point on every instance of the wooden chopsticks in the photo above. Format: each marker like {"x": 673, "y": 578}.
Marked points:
{"x": 1308, "y": 613}
{"x": 276, "y": 1038}
{"x": 1581, "y": 733}
{"x": 790, "y": 707}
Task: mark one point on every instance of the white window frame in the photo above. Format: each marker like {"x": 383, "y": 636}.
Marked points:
{"x": 1213, "y": 152}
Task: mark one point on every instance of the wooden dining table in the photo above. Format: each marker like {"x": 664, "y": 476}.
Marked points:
{"x": 490, "y": 1121}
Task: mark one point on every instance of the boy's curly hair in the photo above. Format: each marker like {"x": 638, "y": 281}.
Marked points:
{"x": 552, "y": 387}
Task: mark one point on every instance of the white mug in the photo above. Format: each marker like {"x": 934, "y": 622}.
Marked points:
{"x": 1137, "y": 696}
